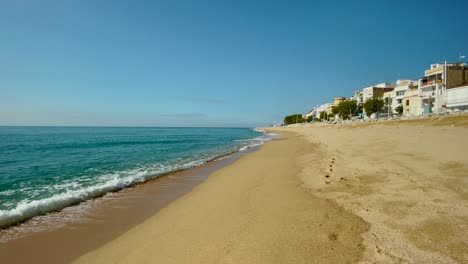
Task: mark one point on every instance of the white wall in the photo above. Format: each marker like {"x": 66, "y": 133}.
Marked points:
{"x": 457, "y": 97}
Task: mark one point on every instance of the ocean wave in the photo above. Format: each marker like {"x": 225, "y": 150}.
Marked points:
{"x": 258, "y": 141}
{"x": 7, "y": 192}
{"x": 27, "y": 209}
{"x": 106, "y": 183}
{"x": 92, "y": 145}
{"x": 82, "y": 189}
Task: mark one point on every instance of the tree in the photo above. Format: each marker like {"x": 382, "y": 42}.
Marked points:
{"x": 323, "y": 115}
{"x": 334, "y": 110}
{"x": 310, "y": 118}
{"x": 346, "y": 109}
{"x": 293, "y": 119}
{"x": 373, "y": 105}
{"x": 388, "y": 100}
{"x": 399, "y": 109}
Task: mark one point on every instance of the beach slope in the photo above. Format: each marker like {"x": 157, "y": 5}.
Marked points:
{"x": 256, "y": 210}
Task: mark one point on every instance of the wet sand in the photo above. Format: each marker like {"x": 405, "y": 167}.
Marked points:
{"x": 255, "y": 210}
{"x": 63, "y": 236}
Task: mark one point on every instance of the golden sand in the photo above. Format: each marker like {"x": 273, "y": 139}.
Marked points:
{"x": 407, "y": 179}
{"x": 393, "y": 192}
{"x": 253, "y": 211}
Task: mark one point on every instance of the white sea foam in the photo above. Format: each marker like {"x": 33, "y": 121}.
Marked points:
{"x": 27, "y": 209}
{"x": 224, "y": 157}
{"x": 7, "y": 192}
{"x": 74, "y": 192}
{"x": 243, "y": 140}
{"x": 257, "y": 141}
{"x": 82, "y": 189}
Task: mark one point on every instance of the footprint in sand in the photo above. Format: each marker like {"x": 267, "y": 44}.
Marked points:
{"x": 328, "y": 181}
{"x": 333, "y": 236}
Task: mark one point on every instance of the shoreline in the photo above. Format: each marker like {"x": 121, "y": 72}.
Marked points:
{"x": 393, "y": 193}
{"x": 256, "y": 210}
{"x": 103, "y": 218}
{"x": 85, "y": 182}
{"x": 118, "y": 190}
{"x": 371, "y": 193}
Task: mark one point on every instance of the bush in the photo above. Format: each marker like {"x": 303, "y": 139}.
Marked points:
{"x": 399, "y": 109}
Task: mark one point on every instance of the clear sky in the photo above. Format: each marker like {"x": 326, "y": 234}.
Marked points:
{"x": 209, "y": 63}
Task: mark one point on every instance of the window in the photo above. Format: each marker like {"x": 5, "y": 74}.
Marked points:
{"x": 407, "y": 102}
{"x": 399, "y": 101}
{"x": 400, "y": 92}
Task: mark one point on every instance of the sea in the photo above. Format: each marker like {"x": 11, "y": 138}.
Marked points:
{"x": 46, "y": 169}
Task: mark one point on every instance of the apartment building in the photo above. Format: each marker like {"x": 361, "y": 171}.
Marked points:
{"x": 376, "y": 91}
{"x": 437, "y": 81}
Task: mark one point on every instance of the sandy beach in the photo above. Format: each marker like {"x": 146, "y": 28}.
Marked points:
{"x": 104, "y": 218}
{"x": 253, "y": 211}
{"x": 393, "y": 192}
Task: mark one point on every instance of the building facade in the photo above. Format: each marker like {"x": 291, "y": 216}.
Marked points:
{"x": 457, "y": 98}
{"x": 437, "y": 80}
{"x": 376, "y": 91}
{"x": 411, "y": 102}
{"x": 357, "y": 97}
{"x": 396, "y": 97}
{"x": 315, "y": 112}
{"x": 338, "y": 100}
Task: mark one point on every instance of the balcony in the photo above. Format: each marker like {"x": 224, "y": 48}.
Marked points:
{"x": 431, "y": 81}
{"x": 428, "y": 87}
{"x": 430, "y": 90}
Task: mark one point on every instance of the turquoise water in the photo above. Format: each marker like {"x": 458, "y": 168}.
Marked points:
{"x": 43, "y": 169}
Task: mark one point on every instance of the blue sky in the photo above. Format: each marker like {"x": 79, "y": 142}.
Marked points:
{"x": 209, "y": 63}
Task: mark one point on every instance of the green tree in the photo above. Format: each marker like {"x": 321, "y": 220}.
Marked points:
{"x": 334, "y": 110}
{"x": 346, "y": 109}
{"x": 399, "y": 109}
{"x": 373, "y": 105}
{"x": 309, "y": 118}
{"x": 293, "y": 119}
{"x": 323, "y": 115}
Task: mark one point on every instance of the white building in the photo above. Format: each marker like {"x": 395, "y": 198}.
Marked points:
{"x": 358, "y": 97}
{"x": 439, "y": 79}
{"x": 412, "y": 102}
{"x": 315, "y": 112}
{"x": 396, "y": 97}
{"x": 457, "y": 98}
